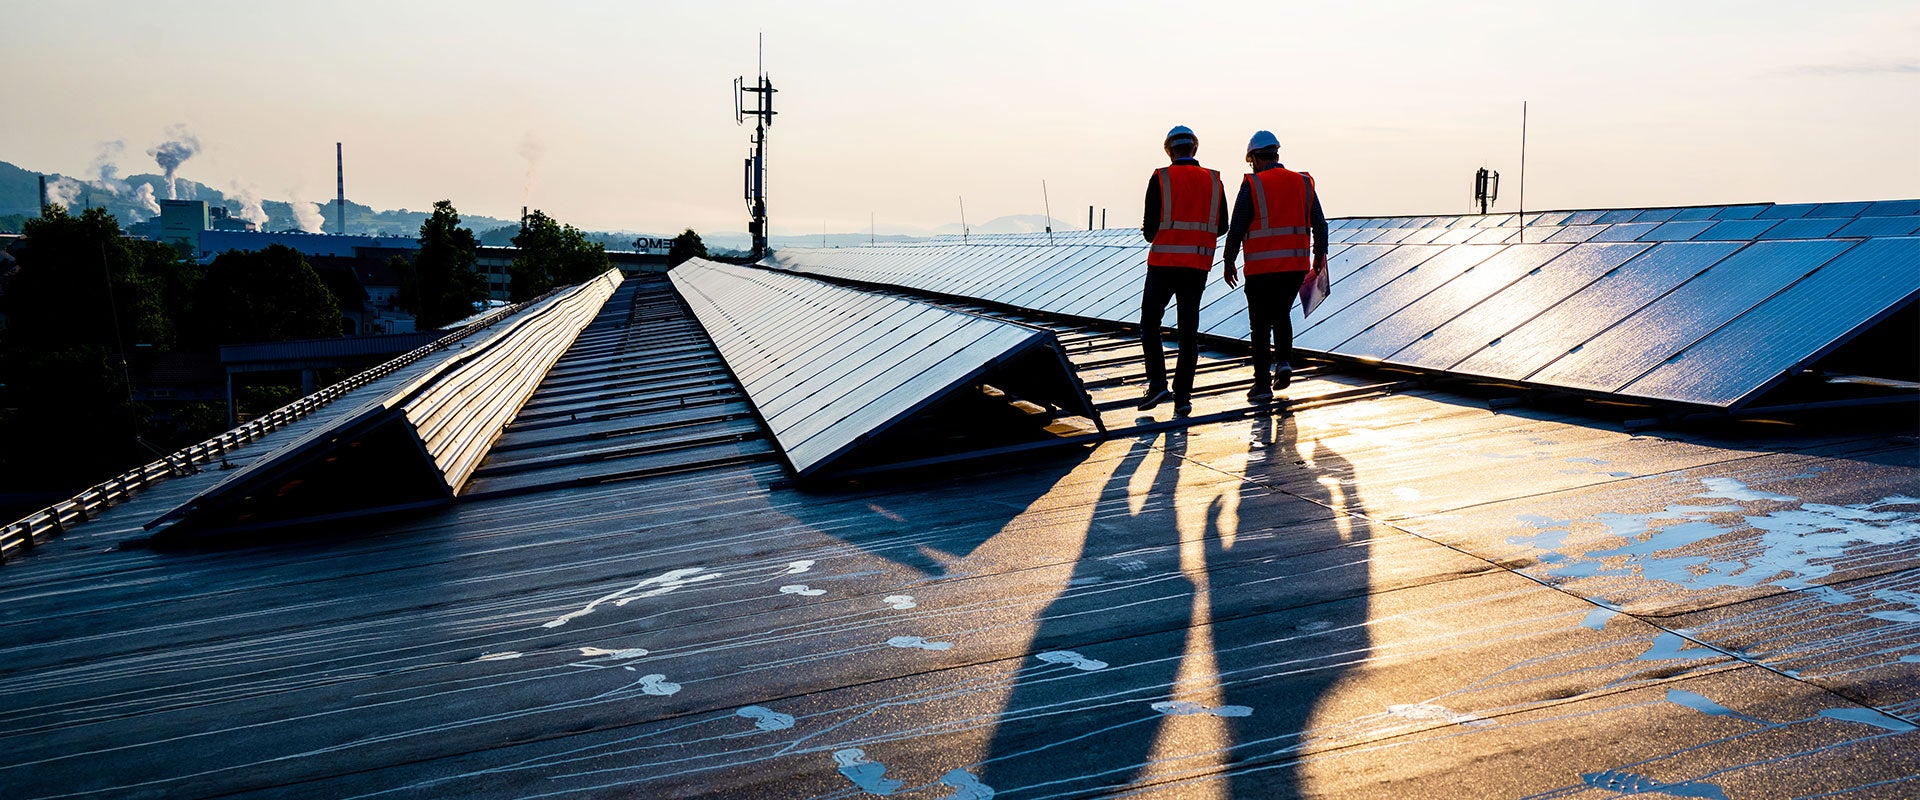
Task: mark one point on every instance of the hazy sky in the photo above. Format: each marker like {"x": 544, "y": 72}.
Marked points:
{"x": 898, "y": 109}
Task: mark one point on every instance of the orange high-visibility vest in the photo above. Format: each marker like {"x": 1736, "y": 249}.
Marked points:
{"x": 1279, "y": 239}
{"x": 1189, "y": 217}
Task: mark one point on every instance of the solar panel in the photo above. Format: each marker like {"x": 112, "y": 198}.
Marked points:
{"x": 1791, "y": 329}
{"x": 1640, "y": 341}
{"x": 1803, "y": 228}
{"x": 1736, "y": 230}
{"x": 1696, "y": 212}
{"x": 1528, "y": 296}
{"x": 1596, "y": 307}
{"x": 829, "y": 367}
{"x": 1624, "y": 232}
{"x": 1329, "y": 332}
{"x": 1676, "y": 231}
{"x": 1423, "y": 315}
{"x": 1880, "y": 226}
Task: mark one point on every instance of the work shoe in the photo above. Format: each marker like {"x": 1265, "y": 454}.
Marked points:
{"x": 1282, "y": 376}
{"x": 1182, "y": 407}
{"x": 1260, "y": 394}
{"x": 1154, "y": 397}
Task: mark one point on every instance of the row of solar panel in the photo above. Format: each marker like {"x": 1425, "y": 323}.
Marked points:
{"x": 1702, "y": 223}
{"x": 1704, "y": 322}
{"x": 827, "y": 366}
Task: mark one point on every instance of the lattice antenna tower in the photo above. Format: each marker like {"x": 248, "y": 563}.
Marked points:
{"x": 761, "y": 110}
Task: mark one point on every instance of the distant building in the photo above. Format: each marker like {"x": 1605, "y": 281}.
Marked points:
{"x": 492, "y": 267}
{"x": 183, "y": 221}
{"x": 220, "y": 219}
{"x": 213, "y": 243}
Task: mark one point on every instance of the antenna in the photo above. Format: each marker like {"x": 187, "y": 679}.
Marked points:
{"x": 1523, "y": 171}
{"x": 756, "y": 164}
{"x": 1049, "y": 207}
{"x": 1486, "y": 187}
{"x": 964, "y": 230}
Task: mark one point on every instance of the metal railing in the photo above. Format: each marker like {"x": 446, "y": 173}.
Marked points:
{"x": 29, "y": 531}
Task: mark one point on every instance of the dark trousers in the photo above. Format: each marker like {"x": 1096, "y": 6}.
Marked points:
{"x": 1183, "y": 284}
{"x": 1269, "y": 303}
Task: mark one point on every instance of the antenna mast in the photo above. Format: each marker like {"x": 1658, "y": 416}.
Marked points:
{"x": 756, "y": 164}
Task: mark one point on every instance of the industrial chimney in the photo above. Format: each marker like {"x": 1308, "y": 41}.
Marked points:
{"x": 340, "y": 197}
{"x": 43, "y": 195}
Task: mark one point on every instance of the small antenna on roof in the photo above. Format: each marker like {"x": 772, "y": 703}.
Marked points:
{"x": 1049, "y": 207}
{"x": 964, "y": 230}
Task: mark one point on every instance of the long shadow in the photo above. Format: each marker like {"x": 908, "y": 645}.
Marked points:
{"x": 1119, "y": 565}
{"x": 1308, "y": 650}
{"x": 1201, "y": 647}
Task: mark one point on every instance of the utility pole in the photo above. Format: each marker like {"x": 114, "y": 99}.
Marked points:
{"x": 756, "y": 166}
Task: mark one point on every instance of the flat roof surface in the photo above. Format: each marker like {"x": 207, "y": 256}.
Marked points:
{"x": 1403, "y": 596}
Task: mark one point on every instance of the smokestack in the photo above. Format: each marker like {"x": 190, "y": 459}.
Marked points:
{"x": 43, "y": 194}
{"x": 340, "y": 176}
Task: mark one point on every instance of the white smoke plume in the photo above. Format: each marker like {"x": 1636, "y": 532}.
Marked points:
{"x": 105, "y": 172}
{"x": 143, "y": 197}
{"x": 181, "y": 145}
{"x": 533, "y": 150}
{"x": 251, "y": 208}
{"x": 306, "y": 215}
{"x": 62, "y": 191}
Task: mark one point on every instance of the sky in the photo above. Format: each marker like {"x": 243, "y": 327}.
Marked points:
{"x": 619, "y": 115}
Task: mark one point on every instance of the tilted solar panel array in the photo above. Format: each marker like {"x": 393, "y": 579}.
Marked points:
{"x": 1707, "y": 305}
{"x": 828, "y": 367}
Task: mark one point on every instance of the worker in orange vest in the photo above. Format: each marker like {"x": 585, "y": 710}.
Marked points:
{"x": 1275, "y": 212}
{"x": 1185, "y": 216}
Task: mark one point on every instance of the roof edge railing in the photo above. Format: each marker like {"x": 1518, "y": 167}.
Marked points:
{"x": 28, "y": 532}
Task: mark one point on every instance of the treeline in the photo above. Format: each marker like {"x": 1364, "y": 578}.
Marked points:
{"x": 83, "y": 300}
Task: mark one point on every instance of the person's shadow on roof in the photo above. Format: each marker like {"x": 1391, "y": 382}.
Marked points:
{"x": 1194, "y": 638}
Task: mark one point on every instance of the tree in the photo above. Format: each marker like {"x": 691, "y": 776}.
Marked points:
{"x": 551, "y": 254}
{"x": 444, "y": 285}
{"x": 686, "y": 245}
{"x": 269, "y": 295}
{"x": 81, "y": 299}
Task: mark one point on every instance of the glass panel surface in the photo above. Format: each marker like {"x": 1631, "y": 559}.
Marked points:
{"x": 1791, "y": 211}
{"x": 1742, "y": 230}
{"x": 1651, "y": 335}
{"x": 1675, "y": 231}
{"x": 1594, "y": 308}
{"x": 1892, "y": 208}
{"x": 1881, "y": 226}
{"x": 1741, "y": 212}
{"x": 1425, "y": 314}
{"x": 1528, "y": 296}
{"x": 1369, "y": 309}
{"x": 1733, "y": 364}
{"x": 1655, "y": 215}
{"x": 1625, "y": 232}
{"x": 1697, "y": 212}
{"x": 1803, "y": 229}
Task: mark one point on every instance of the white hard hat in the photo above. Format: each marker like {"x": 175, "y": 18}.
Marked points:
{"x": 1262, "y": 140}
{"x": 1181, "y": 133}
